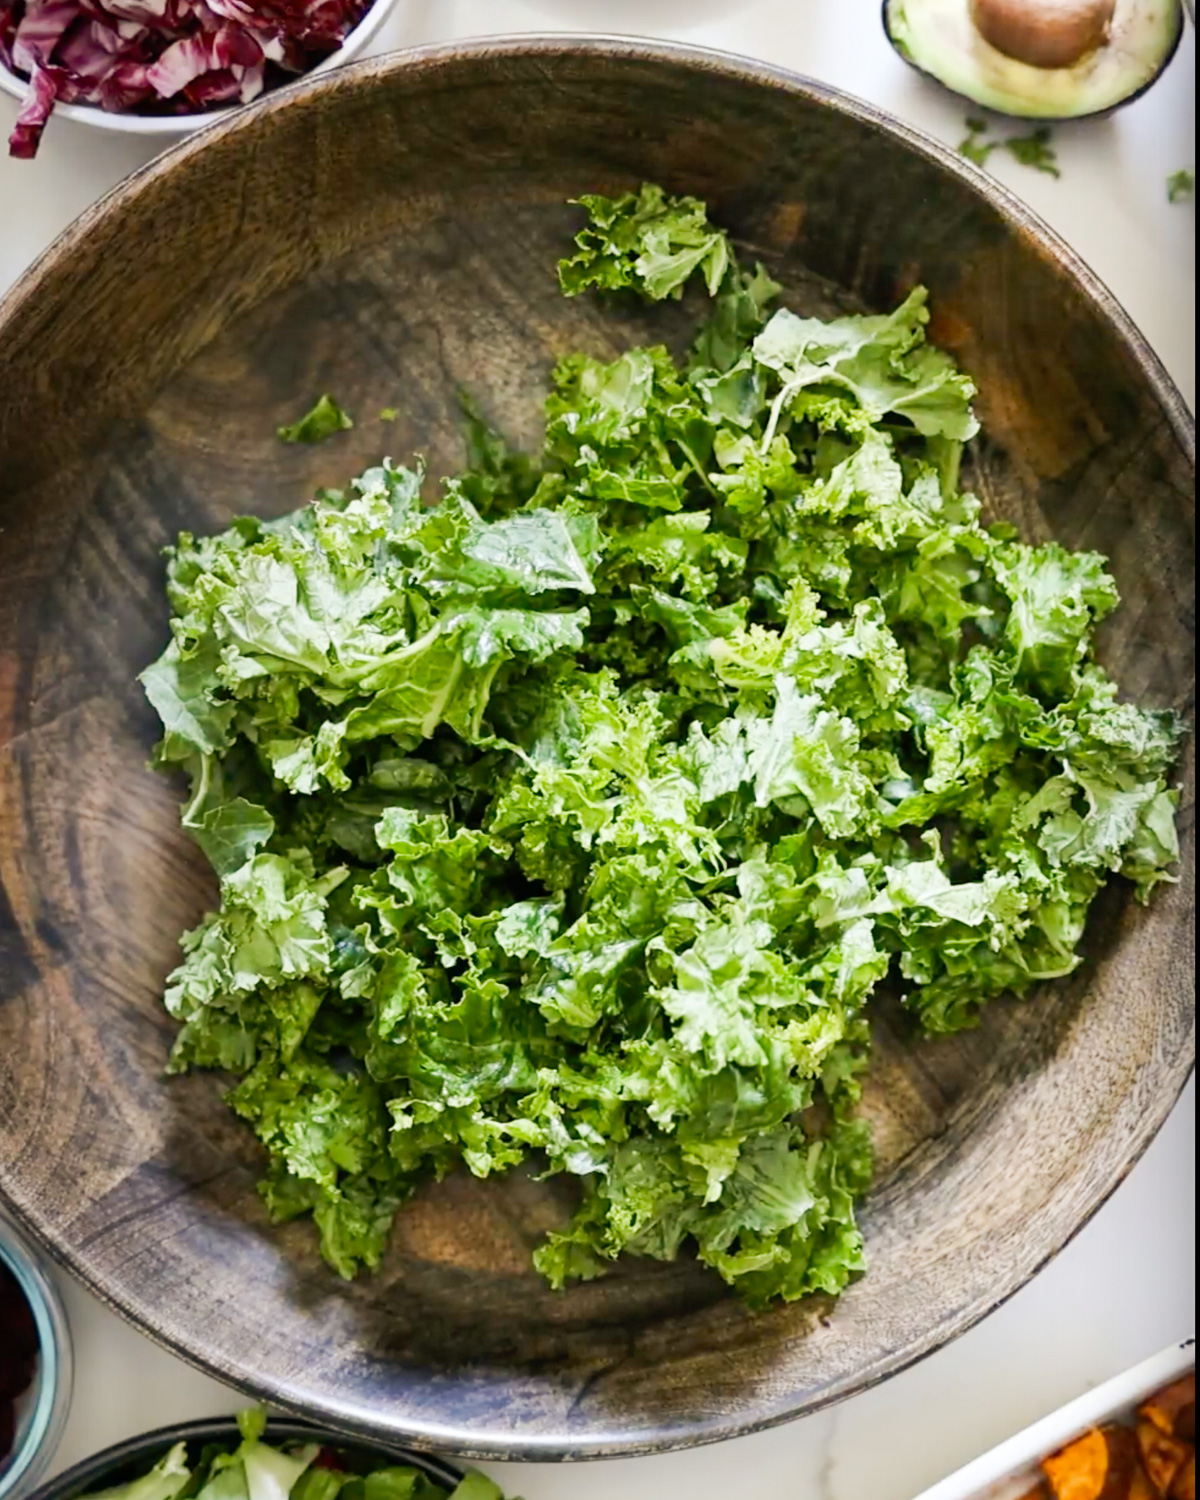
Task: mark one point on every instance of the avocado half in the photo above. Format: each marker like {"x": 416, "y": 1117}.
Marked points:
{"x": 943, "y": 39}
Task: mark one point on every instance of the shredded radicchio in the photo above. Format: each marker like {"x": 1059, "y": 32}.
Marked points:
{"x": 160, "y": 56}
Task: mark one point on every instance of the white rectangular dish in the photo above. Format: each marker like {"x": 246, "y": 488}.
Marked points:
{"x": 1011, "y": 1470}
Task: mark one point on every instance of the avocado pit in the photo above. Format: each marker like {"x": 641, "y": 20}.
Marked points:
{"x": 1044, "y": 33}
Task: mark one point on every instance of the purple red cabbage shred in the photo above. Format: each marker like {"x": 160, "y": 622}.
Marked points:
{"x": 161, "y": 56}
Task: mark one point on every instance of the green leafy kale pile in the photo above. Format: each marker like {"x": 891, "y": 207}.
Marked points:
{"x": 577, "y": 818}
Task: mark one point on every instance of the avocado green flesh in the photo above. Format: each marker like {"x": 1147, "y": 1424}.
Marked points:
{"x": 939, "y": 38}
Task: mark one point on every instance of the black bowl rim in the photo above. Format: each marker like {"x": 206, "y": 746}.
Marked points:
{"x": 564, "y": 1447}
{"x": 93, "y": 1473}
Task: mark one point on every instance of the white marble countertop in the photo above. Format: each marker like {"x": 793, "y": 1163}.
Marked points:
{"x": 1126, "y": 1286}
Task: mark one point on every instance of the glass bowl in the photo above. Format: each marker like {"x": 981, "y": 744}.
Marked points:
{"x": 42, "y": 1410}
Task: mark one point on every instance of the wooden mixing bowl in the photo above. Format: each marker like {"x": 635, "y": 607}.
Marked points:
{"x": 389, "y": 234}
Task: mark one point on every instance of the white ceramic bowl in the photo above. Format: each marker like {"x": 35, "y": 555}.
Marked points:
{"x": 1012, "y": 1469}
{"x": 174, "y": 127}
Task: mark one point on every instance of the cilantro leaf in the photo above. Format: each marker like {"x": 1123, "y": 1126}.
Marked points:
{"x": 1034, "y": 150}
{"x": 973, "y": 146}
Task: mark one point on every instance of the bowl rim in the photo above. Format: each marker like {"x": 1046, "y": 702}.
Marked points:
{"x": 39, "y": 1441}
{"x": 461, "y": 1438}
{"x": 88, "y": 1473}
{"x": 171, "y": 127}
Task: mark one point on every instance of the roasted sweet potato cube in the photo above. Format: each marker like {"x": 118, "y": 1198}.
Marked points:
{"x": 1098, "y": 1466}
{"x": 1173, "y": 1409}
{"x": 1184, "y": 1486}
{"x": 1162, "y": 1455}
{"x": 1077, "y": 1471}
{"x": 1143, "y": 1488}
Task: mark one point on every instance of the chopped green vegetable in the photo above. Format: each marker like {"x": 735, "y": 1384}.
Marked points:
{"x": 389, "y": 414}
{"x": 1181, "y": 185}
{"x": 167, "y": 1479}
{"x": 325, "y": 419}
{"x": 646, "y": 242}
{"x": 1032, "y": 150}
{"x": 580, "y": 816}
{"x": 256, "y": 1470}
{"x": 974, "y": 147}
{"x": 252, "y": 1423}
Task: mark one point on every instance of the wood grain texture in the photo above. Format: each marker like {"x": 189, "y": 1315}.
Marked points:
{"x": 389, "y": 234}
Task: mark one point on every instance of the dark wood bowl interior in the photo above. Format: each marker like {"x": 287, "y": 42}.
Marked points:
{"x": 389, "y": 234}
